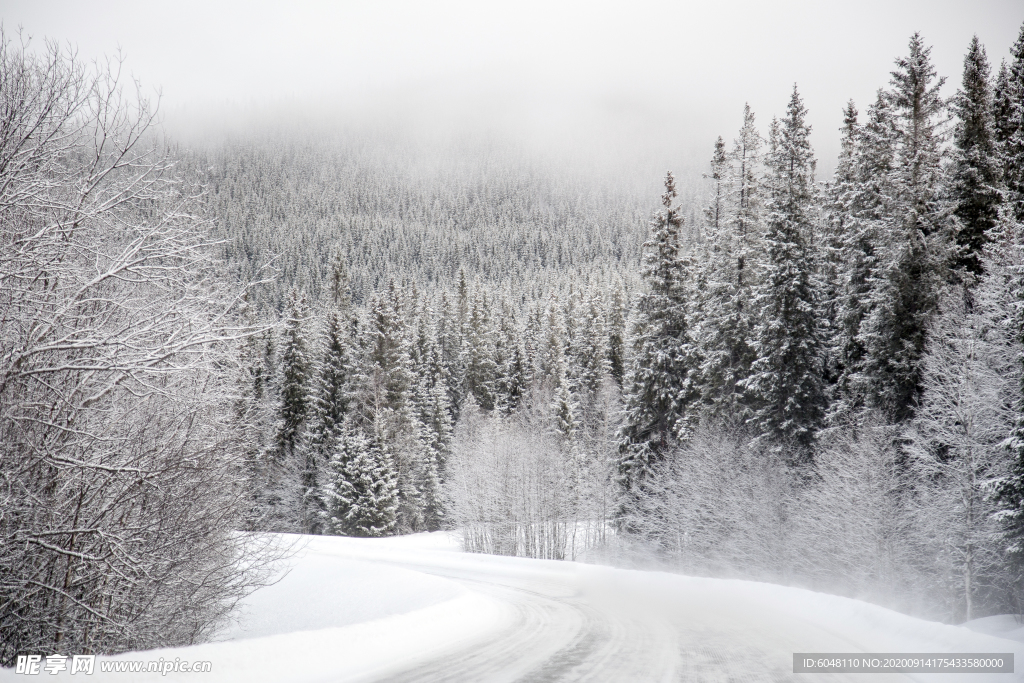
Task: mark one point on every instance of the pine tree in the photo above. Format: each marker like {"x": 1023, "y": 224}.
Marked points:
{"x": 714, "y": 214}
{"x": 512, "y": 366}
{"x": 383, "y": 402}
{"x": 863, "y": 204}
{"x": 588, "y": 352}
{"x": 481, "y": 370}
{"x": 565, "y": 406}
{"x": 295, "y": 372}
{"x": 838, "y": 216}
{"x": 786, "y": 379}
{"x": 450, "y": 339}
{"x": 433, "y": 413}
{"x": 333, "y": 388}
{"x": 661, "y": 385}
{"x": 976, "y": 174}
{"x": 617, "y": 305}
{"x": 1002, "y": 111}
{"x": 293, "y": 456}
{"x": 746, "y": 168}
{"x": 914, "y": 250}
{"x": 1009, "y": 126}
{"x": 360, "y": 493}
{"x": 839, "y": 222}
{"x": 725, "y": 274}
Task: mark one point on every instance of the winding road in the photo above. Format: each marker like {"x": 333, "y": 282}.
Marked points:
{"x": 574, "y": 622}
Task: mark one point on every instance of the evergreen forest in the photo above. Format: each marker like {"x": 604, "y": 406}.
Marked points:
{"x": 760, "y": 374}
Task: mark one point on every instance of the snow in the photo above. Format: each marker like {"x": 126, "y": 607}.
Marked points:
{"x": 1009, "y": 626}
{"x": 323, "y": 590}
{"x": 362, "y": 609}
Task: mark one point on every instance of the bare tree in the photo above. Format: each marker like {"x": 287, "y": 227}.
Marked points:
{"x": 719, "y": 505}
{"x": 120, "y": 473}
{"x": 855, "y": 525}
{"x": 958, "y": 440}
{"x": 516, "y": 486}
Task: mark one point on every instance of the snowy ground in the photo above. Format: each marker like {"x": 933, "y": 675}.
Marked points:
{"x": 417, "y": 609}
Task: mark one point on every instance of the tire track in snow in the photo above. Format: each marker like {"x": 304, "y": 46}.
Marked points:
{"x": 566, "y": 629}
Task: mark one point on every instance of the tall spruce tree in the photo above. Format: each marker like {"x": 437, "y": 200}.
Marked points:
{"x": 976, "y": 173}
{"x": 714, "y": 214}
{"x": 726, "y": 273}
{"x": 914, "y": 250}
{"x": 786, "y": 379}
{"x": 512, "y": 364}
{"x": 746, "y": 167}
{"x": 293, "y": 454}
{"x": 1009, "y": 117}
{"x": 333, "y": 382}
{"x": 661, "y": 386}
{"x": 839, "y": 222}
{"x": 295, "y": 373}
{"x": 617, "y": 306}
{"x": 384, "y": 400}
{"x": 481, "y": 369}
{"x": 1009, "y": 126}
{"x": 864, "y": 206}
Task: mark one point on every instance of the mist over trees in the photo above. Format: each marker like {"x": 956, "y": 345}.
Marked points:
{"x": 776, "y": 377}
{"x": 804, "y": 381}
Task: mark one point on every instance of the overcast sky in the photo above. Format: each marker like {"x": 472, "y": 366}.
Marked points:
{"x": 663, "y": 77}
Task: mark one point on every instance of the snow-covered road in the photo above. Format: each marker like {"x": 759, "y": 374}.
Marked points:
{"x": 416, "y": 609}
{"x": 573, "y": 622}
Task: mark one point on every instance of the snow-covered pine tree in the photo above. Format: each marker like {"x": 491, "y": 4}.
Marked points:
{"x": 661, "y": 387}
{"x": 714, "y": 214}
{"x": 974, "y": 187}
{"x": 862, "y": 218}
{"x": 1009, "y": 126}
{"x": 838, "y": 195}
{"x": 914, "y": 253}
{"x": 295, "y": 367}
{"x": 564, "y": 406}
{"x": 785, "y": 383}
{"x": 746, "y": 194}
{"x": 617, "y": 306}
{"x": 481, "y": 371}
{"x": 360, "y": 493}
{"x": 1002, "y": 110}
{"x": 332, "y": 390}
{"x": 1008, "y": 255}
{"x": 588, "y": 350}
{"x": 551, "y": 342}
{"x": 512, "y": 366}
{"x": 292, "y": 455}
{"x": 726, "y": 273}
{"x": 450, "y": 340}
{"x": 433, "y": 411}
{"x": 384, "y": 400}
{"x": 837, "y": 224}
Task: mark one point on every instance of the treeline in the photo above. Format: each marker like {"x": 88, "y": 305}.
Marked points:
{"x": 811, "y": 382}
{"x": 356, "y": 414}
{"x": 403, "y": 210}
{"x": 827, "y": 389}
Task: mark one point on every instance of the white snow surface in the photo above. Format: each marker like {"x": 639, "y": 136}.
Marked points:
{"x": 416, "y": 608}
{"x": 1009, "y": 626}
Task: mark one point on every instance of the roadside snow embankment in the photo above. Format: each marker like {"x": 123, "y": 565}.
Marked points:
{"x": 417, "y": 609}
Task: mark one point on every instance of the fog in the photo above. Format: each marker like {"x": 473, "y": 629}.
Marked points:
{"x": 645, "y": 82}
